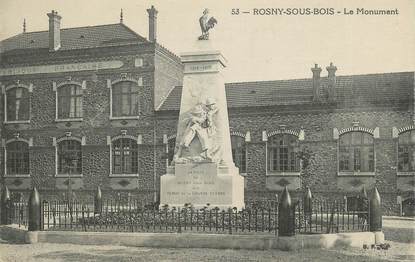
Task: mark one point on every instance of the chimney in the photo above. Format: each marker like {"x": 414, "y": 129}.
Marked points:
{"x": 316, "y": 82}
{"x": 121, "y": 17}
{"x": 152, "y": 24}
{"x": 331, "y": 85}
{"x": 54, "y": 31}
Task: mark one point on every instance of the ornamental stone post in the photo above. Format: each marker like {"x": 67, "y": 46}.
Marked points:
{"x": 98, "y": 201}
{"x": 308, "y": 202}
{"x": 286, "y": 219}
{"x": 375, "y": 211}
{"x": 5, "y": 205}
{"x": 34, "y": 211}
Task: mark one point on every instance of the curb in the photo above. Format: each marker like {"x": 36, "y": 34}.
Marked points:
{"x": 13, "y": 234}
{"x": 398, "y": 218}
{"x": 191, "y": 240}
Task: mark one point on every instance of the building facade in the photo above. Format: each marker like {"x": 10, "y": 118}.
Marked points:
{"x": 98, "y": 106}
{"x": 334, "y": 134}
{"x": 79, "y": 108}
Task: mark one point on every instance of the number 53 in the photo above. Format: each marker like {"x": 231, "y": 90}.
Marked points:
{"x": 235, "y": 11}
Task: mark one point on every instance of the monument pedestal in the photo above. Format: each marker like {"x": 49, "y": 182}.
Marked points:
{"x": 200, "y": 184}
{"x": 203, "y": 171}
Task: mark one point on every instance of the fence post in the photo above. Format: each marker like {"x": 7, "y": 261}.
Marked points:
{"x": 345, "y": 208}
{"x": 5, "y": 206}
{"x": 276, "y": 214}
{"x": 375, "y": 211}
{"x": 98, "y": 201}
{"x": 308, "y": 209}
{"x": 363, "y": 193}
{"x": 230, "y": 220}
{"x": 308, "y": 202}
{"x": 286, "y": 218}
{"x": 34, "y": 210}
{"x": 179, "y": 225}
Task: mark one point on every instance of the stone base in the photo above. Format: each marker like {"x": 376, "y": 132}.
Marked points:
{"x": 217, "y": 241}
{"x": 202, "y": 184}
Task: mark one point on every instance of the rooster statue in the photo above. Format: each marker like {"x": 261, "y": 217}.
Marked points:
{"x": 206, "y": 24}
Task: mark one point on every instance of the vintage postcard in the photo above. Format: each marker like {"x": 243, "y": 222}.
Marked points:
{"x": 214, "y": 130}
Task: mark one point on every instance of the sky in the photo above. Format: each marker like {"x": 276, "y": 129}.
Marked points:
{"x": 257, "y": 47}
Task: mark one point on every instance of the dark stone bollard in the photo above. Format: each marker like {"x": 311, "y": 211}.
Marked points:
{"x": 363, "y": 203}
{"x": 98, "y": 202}
{"x": 5, "y": 206}
{"x": 286, "y": 219}
{"x": 34, "y": 210}
{"x": 375, "y": 211}
{"x": 308, "y": 202}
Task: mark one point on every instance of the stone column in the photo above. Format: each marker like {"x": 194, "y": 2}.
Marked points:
{"x": 203, "y": 81}
{"x": 203, "y": 171}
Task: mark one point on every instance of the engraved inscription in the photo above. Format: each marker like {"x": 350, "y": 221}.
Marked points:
{"x": 200, "y": 68}
{"x": 42, "y": 69}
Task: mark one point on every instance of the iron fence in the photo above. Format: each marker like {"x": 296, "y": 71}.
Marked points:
{"x": 132, "y": 216}
{"x": 15, "y": 213}
{"x": 284, "y": 218}
{"x": 329, "y": 217}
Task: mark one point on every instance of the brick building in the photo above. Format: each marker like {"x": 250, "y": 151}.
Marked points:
{"x": 99, "y": 105}
{"x": 80, "y": 103}
{"x": 334, "y": 134}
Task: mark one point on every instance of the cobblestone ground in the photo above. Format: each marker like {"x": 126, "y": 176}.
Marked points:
{"x": 399, "y": 233}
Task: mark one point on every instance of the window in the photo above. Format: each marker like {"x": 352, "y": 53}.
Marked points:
{"x": 282, "y": 153}
{"x": 170, "y": 150}
{"x": 18, "y": 102}
{"x": 125, "y": 99}
{"x": 17, "y": 158}
{"x": 69, "y": 157}
{"x": 239, "y": 152}
{"x": 124, "y": 156}
{"x": 69, "y": 101}
{"x": 406, "y": 151}
{"x": 356, "y": 152}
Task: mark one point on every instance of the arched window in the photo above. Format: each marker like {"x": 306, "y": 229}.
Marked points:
{"x": 356, "y": 152}
{"x": 69, "y": 101}
{"x": 18, "y": 104}
{"x": 282, "y": 153}
{"x": 171, "y": 144}
{"x": 125, "y": 99}
{"x": 406, "y": 151}
{"x": 17, "y": 158}
{"x": 124, "y": 156}
{"x": 69, "y": 157}
{"x": 239, "y": 152}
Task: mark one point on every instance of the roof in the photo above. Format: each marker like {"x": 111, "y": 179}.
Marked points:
{"x": 75, "y": 38}
{"x": 351, "y": 91}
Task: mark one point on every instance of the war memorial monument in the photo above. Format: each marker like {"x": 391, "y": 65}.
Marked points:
{"x": 203, "y": 172}
{"x": 195, "y": 178}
